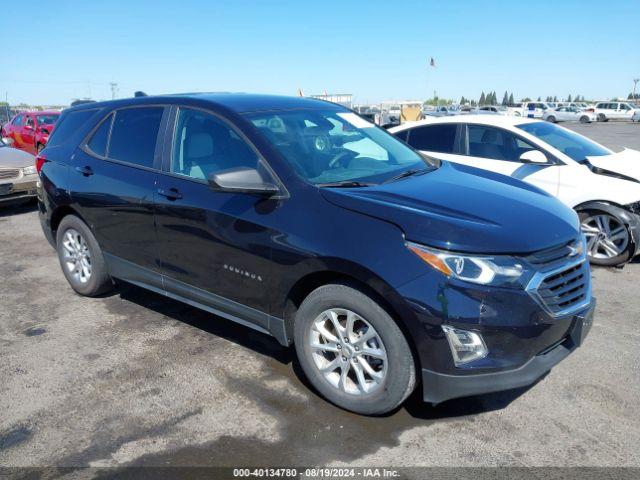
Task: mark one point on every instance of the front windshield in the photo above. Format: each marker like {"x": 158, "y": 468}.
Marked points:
{"x": 574, "y": 146}
{"x": 332, "y": 146}
{"x": 47, "y": 119}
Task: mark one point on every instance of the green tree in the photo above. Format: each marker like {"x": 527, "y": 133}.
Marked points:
{"x": 482, "y": 100}
{"x": 539, "y": 99}
{"x": 526, "y": 99}
{"x": 473, "y": 103}
{"x": 555, "y": 99}
{"x": 511, "y": 101}
{"x": 569, "y": 98}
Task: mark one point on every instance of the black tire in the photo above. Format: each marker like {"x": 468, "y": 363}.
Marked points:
{"x": 99, "y": 281}
{"x": 602, "y": 117}
{"x": 400, "y": 378}
{"x": 551, "y": 119}
{"x": 621, "y": 259}
{"x": 584, "y": 119}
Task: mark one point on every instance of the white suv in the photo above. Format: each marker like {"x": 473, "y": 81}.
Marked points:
{"x": 602, "y": 186}
{"x": 606, "y": 111}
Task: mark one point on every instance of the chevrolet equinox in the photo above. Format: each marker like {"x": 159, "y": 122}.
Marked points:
{"x": 300, "y": 219}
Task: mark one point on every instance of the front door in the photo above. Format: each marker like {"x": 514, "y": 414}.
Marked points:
{"x": 499, "y": 150}
{"x": 29, "y": 134}
{"x": 215, "y": 247}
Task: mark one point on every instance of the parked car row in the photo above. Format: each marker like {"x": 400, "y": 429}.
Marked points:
{"x": 551, "y": 111}
{"x": 387, "y": 269}
{"x": 603, "y": 187}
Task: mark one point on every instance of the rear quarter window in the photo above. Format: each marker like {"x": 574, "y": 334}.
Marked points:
{"x": 434, "y": 138}
{"x": 68, "y": 125}
{"x": 402, "y": 135}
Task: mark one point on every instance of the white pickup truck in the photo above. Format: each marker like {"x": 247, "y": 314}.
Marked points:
{"x": 529, "y": 109}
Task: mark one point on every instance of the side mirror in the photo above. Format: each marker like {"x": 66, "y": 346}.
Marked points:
{"x": 28, "y": 127}
{"x": 533, "y": 156}
{"x": 242, "y": 180}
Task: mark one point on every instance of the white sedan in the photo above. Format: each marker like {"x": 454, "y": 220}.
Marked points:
{"x": 601, "y": 185}
{"x": 568, "y": 114}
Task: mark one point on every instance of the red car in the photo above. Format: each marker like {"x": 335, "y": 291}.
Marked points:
{"x": 29, "y": 131}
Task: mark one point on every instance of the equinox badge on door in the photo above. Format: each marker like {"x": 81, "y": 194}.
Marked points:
{"x": 244, "y": 273}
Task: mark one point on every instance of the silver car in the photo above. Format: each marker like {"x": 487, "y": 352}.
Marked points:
{"x": 568, "y": 114}
{"x": 18, "y": 175}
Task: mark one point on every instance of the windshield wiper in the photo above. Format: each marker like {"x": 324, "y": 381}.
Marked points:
{"x": 407, "y": 173}
{"x": 345, "y": 184}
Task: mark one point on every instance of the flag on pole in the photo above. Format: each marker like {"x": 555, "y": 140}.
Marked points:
{"x": 432, "y": 63}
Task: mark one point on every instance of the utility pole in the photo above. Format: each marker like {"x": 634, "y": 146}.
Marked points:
{"x": 635, "y": 82}
{"x": 114, "y": 90}
{"x": 6, "y": 105}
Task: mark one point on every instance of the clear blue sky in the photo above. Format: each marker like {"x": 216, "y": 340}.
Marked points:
{"x": 54, "y": 51}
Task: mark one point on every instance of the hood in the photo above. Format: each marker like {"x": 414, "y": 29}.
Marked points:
{"x": 626, "y": 162}
{"x": 465, "y": 209}
{"x": 14, "y": 158}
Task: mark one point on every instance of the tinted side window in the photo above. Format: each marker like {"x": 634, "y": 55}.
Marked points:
{"x": 204, "y": 144}
{"x": 99, "y": 139}
{"x": 495, "y": 143}
{"x": 68, "y": 125}
{"x": 18, "y": 120}
{"x": 134, "y": 134}
{"x": 434, "y": 138}
{"x": 402, "y": 135}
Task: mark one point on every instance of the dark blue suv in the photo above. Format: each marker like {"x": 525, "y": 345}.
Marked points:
{"x": 302, "y": 220}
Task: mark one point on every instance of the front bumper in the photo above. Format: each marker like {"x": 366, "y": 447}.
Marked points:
{"x": 22, "y": 188}
{"x": 438, "y": 387}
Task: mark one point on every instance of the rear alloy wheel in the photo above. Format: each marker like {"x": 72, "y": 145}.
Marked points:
{"x": 608, "y": 239}
{"x": 602, "y": 117}
{"x": 81, "y": 258}
{"x": 352, "y": 351}
{"x": 551, "y": 119}
{"x": 584, "y": 119}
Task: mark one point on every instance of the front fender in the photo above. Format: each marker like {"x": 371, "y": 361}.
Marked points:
{"x": 629, "y": 218}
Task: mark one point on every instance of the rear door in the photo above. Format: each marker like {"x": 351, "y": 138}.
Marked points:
{"x": 215, "y": 246}
{"x": 113, "y": 180}
{"x": 14, "y": 130}
{"x": 498, "y": 150}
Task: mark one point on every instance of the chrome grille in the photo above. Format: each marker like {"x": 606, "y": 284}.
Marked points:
{"x": 563, "y": 291}
{"x": 6, "y": 174}
{"x": 563, "y": 283}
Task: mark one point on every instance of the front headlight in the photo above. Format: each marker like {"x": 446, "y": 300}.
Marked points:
{"x": 496, "y": 270}
{"x": 29, "y": 170}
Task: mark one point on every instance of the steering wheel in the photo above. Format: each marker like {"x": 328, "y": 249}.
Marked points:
{"x": 339, "y": 157}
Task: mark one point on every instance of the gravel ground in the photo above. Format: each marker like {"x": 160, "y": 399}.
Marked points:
{"x": 136, "y": 379}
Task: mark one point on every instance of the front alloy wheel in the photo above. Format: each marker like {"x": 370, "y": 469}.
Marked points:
{"x": 348, "y": 351}
{"x": 352, "y": 351}
{"x": 608, "y": 239}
